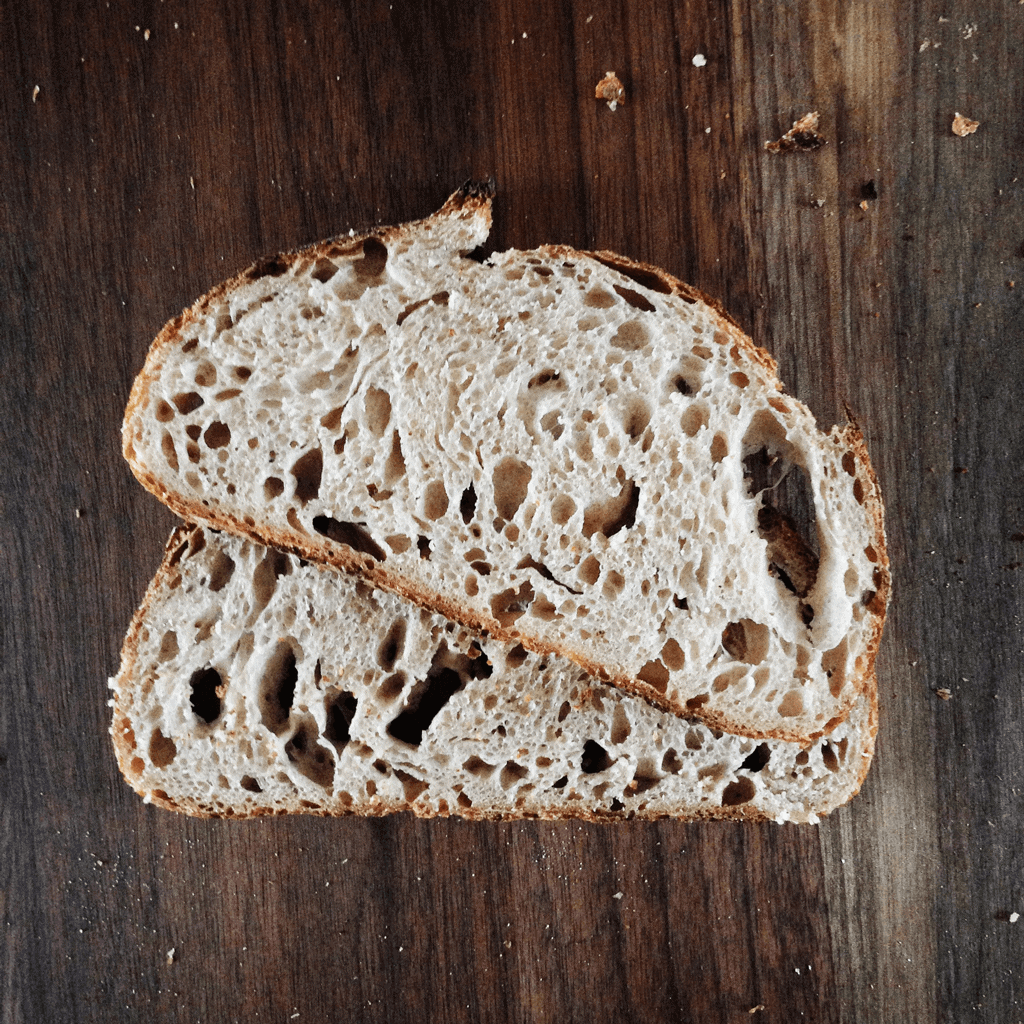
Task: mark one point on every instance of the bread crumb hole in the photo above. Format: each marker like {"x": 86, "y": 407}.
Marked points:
{"x": 307, "y": 471}
{"x": 168, "y": 646}
{"x": 162, "y": 749}
{"x": 632, "y": 336}
{"x": 610, "y": 515}
{"x": 614, "y": 583}
{"x": 435, "y": 500}
{"x": 206, "y": 374}
{"x": 636, "y": 418}
{"x": 391, "y": 688}
{"x": 377, "y": 408}
{"x": 719, "y": 448}
{"x": 207, "y": 688}
{"x": 511, "y": 480}
{"x": 168, "y": 450}
{"x": 515, "y": 657}
{"x": 746, "y": 641}
{"x": 672, "y": 656}
{"x": 741, "y": 791}
{"x": 655, "y": 674}
{"x": 562, "y": 509}
{"x": 792, "y": 704}
{"x": 273, "y": 487}
{"x": 277, "y": 688}
{"x": 392, "y": 646}
{"x": 511, "y": 774}
{"x": 620, "y": 725}
{"x": 311, "y": 759}
{"x": 467, "y": 504}
{"x": 694, "y": 417}
{"x": 478, "y": 767}
{"x": 598, "y": 298}
{"x": 511, "y": 604}
{"x": 187, "y": 401}
{"x": 550, "y": 422}
{"x": 352, "y": 535}
{"x": 217, "y": 435}
{"x": 323, "y": 270}
{"x": 595, "y": 758}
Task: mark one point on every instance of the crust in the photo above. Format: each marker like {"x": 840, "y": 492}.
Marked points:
{"x": 470, "y": 201}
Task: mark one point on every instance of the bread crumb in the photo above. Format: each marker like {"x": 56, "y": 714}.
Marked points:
{"x": 756, "y": 1009}
{"x": 863, "y": 204}
{"x": 170, "y": 955}
{"x": 699, "y": 60}
{"x": 145, "y": 35}
{"x": 1014, "y": 917}
{"x": 964, "y": 125}
{"x": 610, "y": 90}
{"x": 35, "y": 93}
{"x": 617, "y": 896}
{"x": 944, "y": 693}
{"x": 803, "y": 135}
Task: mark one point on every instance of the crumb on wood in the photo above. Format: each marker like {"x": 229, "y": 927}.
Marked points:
{"x": 944, "y": 693}
{"x": 802, "y": 136}
{"x": 35, "y": 94}
{"x": 1014, "y": 917}
{"x": 964, "y": 125}
{"x": 699, "y": 60}
{"x": 170, "y": 955}
{"x": 756, "y": 1009}
{"x": 863, "y": 204}
{"x": 610, "y": 90}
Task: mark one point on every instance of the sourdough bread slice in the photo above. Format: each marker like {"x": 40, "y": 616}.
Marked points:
{"x": 566, "y": 450}
{"x": 254, "y": 683}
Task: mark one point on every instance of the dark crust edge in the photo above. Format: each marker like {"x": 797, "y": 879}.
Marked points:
{"x": 466, "y": 202}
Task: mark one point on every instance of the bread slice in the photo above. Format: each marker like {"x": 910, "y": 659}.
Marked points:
{"x": 570, "y": 451}
{"x": 255, "y": 683}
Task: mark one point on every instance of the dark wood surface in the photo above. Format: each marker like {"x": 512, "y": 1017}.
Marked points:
{"x": 169, "y": 144}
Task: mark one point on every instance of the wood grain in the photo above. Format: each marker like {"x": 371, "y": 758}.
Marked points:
{"x": 170, "y": 144}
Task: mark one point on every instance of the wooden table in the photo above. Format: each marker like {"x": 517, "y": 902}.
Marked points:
{"x": 149, "y": 150}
